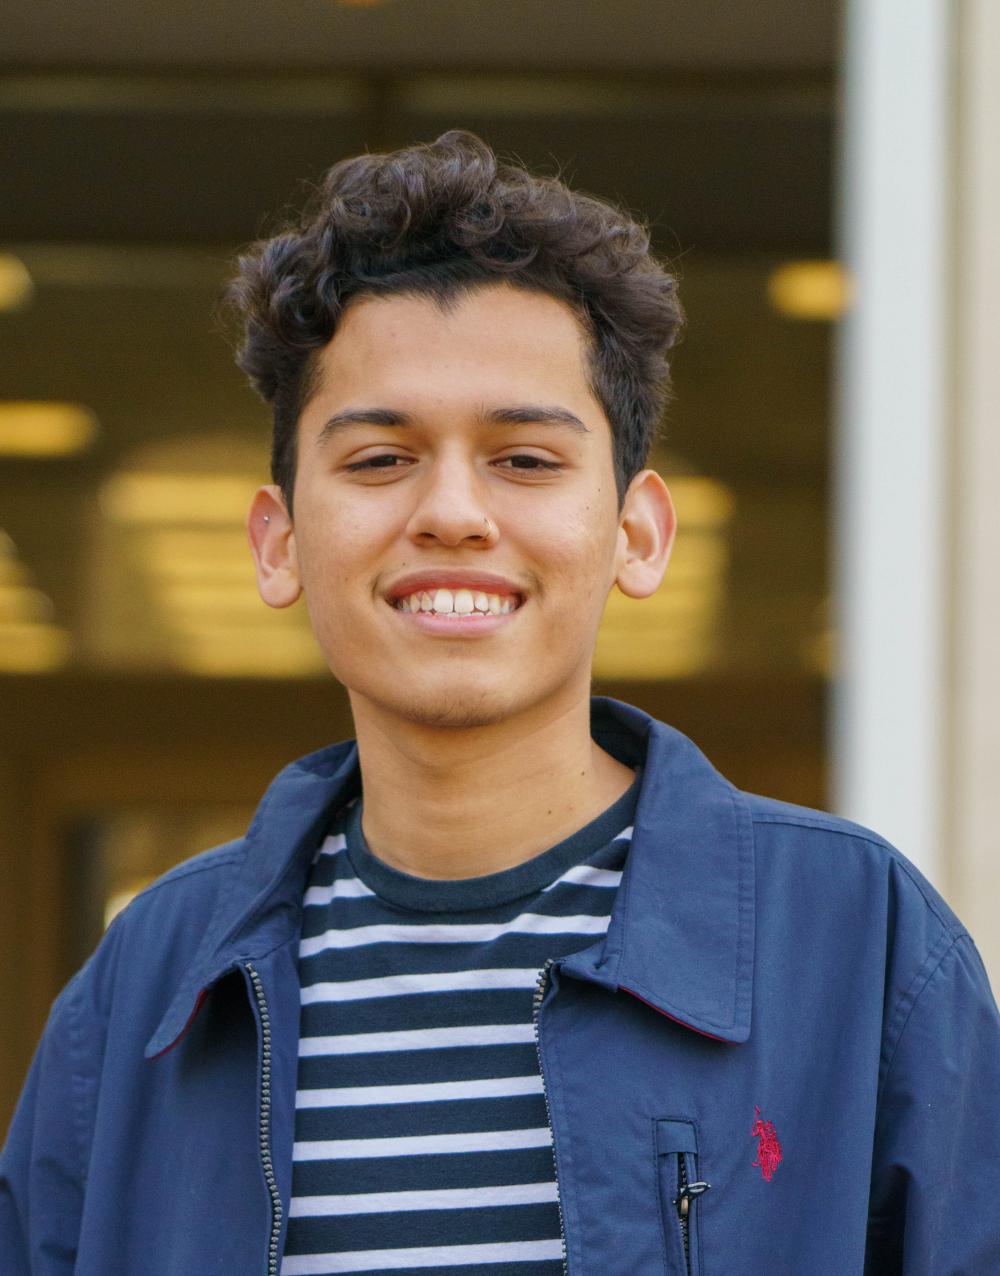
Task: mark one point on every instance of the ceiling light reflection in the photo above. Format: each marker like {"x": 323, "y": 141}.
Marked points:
{"x": 20, "y": 602}
{"x": 16, "y": 287}
{"x": 216, "y": 596}
{"x": 164, "y": 497}
{"x": 29, "y": 640}
{"x": 39, "y": 429}
{"x": 207, "y": 569}
{"x": 203, "y": 554}
{"x": 222, "y": 650}
{"x": 810, "y": 289}
{"x": 27, "y": 647}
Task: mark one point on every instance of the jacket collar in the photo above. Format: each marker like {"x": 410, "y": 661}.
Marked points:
{"x": 259, "y": 903}
{"x": 681, "y": 934}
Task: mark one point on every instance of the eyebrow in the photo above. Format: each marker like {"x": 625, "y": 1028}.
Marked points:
{"x": 521, "y": 414}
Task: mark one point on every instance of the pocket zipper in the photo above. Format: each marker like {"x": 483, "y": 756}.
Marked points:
{"x": 686, "y": 1193}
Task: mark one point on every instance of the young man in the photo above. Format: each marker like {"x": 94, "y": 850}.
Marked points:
{"x": 516, "y": 983}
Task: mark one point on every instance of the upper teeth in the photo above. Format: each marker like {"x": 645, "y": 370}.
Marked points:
{"x": 459, "y": 602}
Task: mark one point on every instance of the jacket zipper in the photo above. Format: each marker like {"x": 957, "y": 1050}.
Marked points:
{"x": 264, "y": 1129}
{"x": 536, "y": 1005}
{"x": 686, "y": 1193}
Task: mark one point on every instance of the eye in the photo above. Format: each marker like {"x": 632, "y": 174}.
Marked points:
{"x": 383, "y": 461}
{"x": 527, "y": 461}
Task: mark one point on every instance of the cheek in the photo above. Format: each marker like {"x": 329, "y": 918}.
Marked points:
{"x": 333, "y": 572}
{"x": 578, "y": 549}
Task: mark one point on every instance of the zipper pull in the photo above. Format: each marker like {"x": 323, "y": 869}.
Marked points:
{"x": 688, "y": 1193}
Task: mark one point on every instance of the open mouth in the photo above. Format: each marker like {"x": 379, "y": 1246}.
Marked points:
{"x": 458, "y": 603}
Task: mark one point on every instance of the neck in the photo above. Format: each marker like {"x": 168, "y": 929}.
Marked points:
{"x": 452, "y": 803}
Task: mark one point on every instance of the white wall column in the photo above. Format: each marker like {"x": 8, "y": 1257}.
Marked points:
{"x": 891, "y": 464}
{"x": 916, "y": 740}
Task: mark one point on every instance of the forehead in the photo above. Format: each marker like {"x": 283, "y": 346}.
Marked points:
{"x": 496, "y": 340}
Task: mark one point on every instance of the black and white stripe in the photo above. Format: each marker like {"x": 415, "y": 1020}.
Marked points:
{"x": 421, "y": 1136}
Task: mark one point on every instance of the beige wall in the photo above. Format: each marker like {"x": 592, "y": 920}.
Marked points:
{"x": 973, "y": 782}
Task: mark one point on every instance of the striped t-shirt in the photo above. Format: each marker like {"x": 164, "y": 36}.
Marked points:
{"x": 422, "y": 1140}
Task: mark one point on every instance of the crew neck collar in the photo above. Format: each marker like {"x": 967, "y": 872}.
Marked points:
{"x": 453, "y": 895}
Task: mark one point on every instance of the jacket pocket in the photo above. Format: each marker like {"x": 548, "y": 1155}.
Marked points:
{"x": 679, "y": 1189}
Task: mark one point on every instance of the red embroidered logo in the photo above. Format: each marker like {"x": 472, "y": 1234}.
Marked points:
{"x": 768, "y": 1149}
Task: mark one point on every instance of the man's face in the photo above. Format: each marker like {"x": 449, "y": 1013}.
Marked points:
{"x": 456, "y": 526}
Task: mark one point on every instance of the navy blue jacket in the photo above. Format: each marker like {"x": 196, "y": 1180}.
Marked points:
{"x": 783, "y": 1008}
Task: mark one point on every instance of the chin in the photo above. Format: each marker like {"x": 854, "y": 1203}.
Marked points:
{"x": 451, "y": 708}
{"x": 456, "y": 711}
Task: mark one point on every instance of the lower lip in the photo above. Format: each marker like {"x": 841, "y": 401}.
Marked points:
{"x": 455, "y": 626}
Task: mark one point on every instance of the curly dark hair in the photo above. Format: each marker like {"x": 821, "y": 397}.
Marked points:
{"x": 438, "y": 220}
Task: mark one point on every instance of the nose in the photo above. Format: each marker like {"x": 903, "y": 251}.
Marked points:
{"x": 451, "y": 507}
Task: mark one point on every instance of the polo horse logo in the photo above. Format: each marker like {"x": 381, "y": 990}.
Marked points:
{"x": 768, "y": 1147}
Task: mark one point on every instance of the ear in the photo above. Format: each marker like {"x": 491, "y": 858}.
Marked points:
{"x": 646, "y": 529}
{"x": 272, "y": 543}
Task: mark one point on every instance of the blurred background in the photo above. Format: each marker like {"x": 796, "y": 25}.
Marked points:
{"x": 825, "y": 179}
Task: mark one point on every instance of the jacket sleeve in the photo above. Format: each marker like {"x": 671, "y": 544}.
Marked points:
{"x": 935, "y": 1196}
{"x": 42, "y": 1163}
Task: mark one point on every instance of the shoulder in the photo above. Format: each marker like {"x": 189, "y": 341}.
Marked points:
{"x": 158, "y": 933}
{"x": 196, "y": 875}
{"x": 184, "y": 896}
{"x": 771, "y": 811}
{"x": 839, "y": 845}
{"x": 853, "y": 887}
{"x": 841, "y": 878}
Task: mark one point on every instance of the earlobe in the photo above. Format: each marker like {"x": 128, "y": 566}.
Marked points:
{"x": 647, "y": 526}
{"x": 272, "y": 544}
